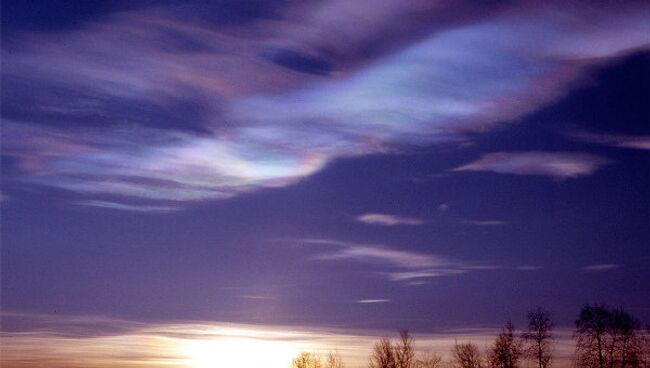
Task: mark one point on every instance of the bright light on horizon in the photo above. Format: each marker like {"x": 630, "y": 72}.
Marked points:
{"x": 240, "y": 352}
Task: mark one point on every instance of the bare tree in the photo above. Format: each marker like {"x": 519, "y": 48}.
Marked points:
{"x": 626, "y": 349}
{"x": 608, "y": 338}
{"x": 306, "y": 360}
{"x": 428, "y": 360}
{"x": 591, "y": 337}
{"x": 334, "y": 360}
{"x": 538, "y": 337}
{"x": 466, "y": 355}
{"x": 404, "y": 351}
{"x": 506, "y": 351}
{"x": 645, "y": 346}
{"x": 383, "y": 355}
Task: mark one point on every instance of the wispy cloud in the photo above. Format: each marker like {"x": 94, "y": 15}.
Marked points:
{"x": 83, "y": 341}
{"x": 559, "y": 165}
{"x": 614, "y": 140}
{"x": 388, "y": 220}
{"x": 257, "y": 297}
{"x": 127, "y": 207}
{"x": 482, "y": 222}
{"x": 175, "y": 109}
{"x": 600, "y": 267}
{"x": 528, "y": 268}
{"x": 372, "y": 301}
{"x": 401, "y": 265}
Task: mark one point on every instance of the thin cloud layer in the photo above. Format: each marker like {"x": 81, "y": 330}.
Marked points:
{"x": 600, "y": 267}
{"x": 615, "y": 140}
{"x": 58, "y": 339}
{"x": 396, "y": 265}
{"x": 482, "y": 222}
{"x": 174, "y": 109}
{"x": 559, "y": 165}
{"x": 372, "y": 301}
{"x": 388, "y": 220}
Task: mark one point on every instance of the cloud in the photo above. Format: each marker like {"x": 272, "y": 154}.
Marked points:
{"x": 560, "y": 165}
{"x": 372, "y": 301}
{"x": 424, "y": 274}
{"x": 399, "y": 265}
{"x": 127, "y": 207}
{"x": 528, "y": 268}
{"x": 392, "y": 257}
{"x": 614, "y": 140}
{"x": 159, "y": 105}
{"x": 257, "y": 297}
{"x": 387, "y": 220}
{"x": 83, "y": 341}
{"x": 483, "y": 222}
{"x": 600, "y": 267}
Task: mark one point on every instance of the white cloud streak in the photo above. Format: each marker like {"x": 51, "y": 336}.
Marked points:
{"x": 372, "y": 301}
{"x": 127, "y": 207}
{"x": 559, "y": 165}
{"x": 615, "y": 140}
{"x": 600, "y": 267}
{"x": 400, "y": 265}
{"x": 388, "y": 220}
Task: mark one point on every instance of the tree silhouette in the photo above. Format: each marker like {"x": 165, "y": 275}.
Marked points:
{"x": 506, "y": 351}
{"x": 607, "y": 338}
{"x": 306, "y": 360}
{"x": 538, "y": 337}
{"x": 428, "y": 360}
{"x": 466, "y": 355}
{"x": 334, "y": 360}
{"x": 404, "y": 351}
{"x": 383, "y": 355}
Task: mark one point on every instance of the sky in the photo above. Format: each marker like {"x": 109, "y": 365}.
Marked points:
{"x": 338, "y": 168}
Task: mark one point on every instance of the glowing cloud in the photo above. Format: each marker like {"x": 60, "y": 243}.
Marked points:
{"x": 58, "y": 341}
{"x": 263, "y": 106}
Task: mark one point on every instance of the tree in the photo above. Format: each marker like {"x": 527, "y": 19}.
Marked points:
{"x": 591, "y": 336}
{"x": 506, "y": 351}
{"x": 626, "y": 349}
{"x": 404, "y": 351}
{"x": 383, "y": 355}
{"x": 306, "y": 360}
{"x": 607, "y": 338}
{"x": 334, "y": 360}
{"x": 538, "y": 337}
{"x": 428, "y": 360}
{"x": 466, "y": 355}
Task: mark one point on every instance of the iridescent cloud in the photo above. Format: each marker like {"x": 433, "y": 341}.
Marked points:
{"x": 176, "y": 110}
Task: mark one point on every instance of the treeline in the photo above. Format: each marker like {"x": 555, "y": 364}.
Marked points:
{"x": 605, "y": 338}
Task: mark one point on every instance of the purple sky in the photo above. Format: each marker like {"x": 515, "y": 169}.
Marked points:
{"x": 346, "y": 164}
